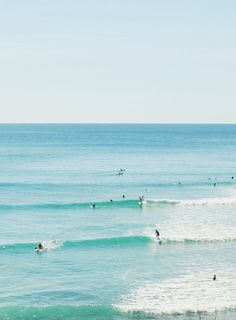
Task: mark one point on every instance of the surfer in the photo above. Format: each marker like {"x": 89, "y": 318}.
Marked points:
{"x": 157, "y": 233}
{"x": 111, "y": 200}
{"x": 214, "y": 277}
{"x": 94, "y": 205}
{"x": 39, "y": 247}
{"x": 123, "y": 196}
{"x": 141, "y": 200}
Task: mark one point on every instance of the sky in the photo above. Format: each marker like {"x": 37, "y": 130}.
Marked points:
{"x": 117, "y": 61}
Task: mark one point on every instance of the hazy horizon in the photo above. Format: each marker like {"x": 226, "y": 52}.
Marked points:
{"x": 117, "y": 62}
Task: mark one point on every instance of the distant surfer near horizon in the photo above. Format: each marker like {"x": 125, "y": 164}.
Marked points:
{"x": 121, "y": 171}
{"x": 214, "y": 277}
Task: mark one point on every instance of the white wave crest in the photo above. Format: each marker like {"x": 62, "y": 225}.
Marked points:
{"x": 52, "y": 244}
{"x": 190, "y": 293}
{"x": 227, "y": 201}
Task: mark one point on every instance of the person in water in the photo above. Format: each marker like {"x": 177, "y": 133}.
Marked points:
{"x": 123, "y": 196}
{"x": 94, "y": 206}
{"x": 39, "y": 247}
{"x": 141, "y": 199}
{"x": 214, "y": 277}
{"x": 157, "y": 233}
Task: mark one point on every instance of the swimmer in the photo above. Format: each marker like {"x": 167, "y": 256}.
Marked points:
{"x": 232, "y": 178}
{"x": 214, "y": 184}
{"x": 214, "y": 277}
{"x": 94, "y": 206}
{"x": 111, "y": 200}
{"x": 123, "y": 196}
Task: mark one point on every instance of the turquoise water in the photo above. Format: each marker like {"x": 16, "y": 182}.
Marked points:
{"x": 105, "y": 263}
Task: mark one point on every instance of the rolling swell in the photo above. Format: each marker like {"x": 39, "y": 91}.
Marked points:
{"x": 105, "y": 242}
{"x": 99, "y": 242}
{"x": 132, "y": 203}
{"x": 70, "y": 205}
{"x": 97, "y": 312}
{"x": 100, "y": 312}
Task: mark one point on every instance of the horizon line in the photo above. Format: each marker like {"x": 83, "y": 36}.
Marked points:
{"x": 117, "y": 123}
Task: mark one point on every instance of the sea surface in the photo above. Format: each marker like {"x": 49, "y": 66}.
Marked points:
{"x": 105, "y": 263}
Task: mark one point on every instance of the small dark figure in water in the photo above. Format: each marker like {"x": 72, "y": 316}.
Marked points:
{"x": 39, "y": 247}
{"x": 214, "y": 184}
{"x": 123, "y": 196}
{"x": 141, "y": 199}
{"x": 157, "y": 233}
{"x": 111, "y": 200}
{"x": 232, "y": 178}
{"x": 180, "y": 183}
{"x": 214, "y": 277}
{"x": 94, "y": 206}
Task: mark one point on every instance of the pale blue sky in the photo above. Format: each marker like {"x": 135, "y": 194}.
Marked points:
{"x": 118, "y": 61}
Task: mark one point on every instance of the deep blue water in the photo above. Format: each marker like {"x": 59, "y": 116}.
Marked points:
{"x": 105, "y": 263}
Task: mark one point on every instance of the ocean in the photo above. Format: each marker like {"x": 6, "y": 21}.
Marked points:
{"x": 103, "y": 261}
